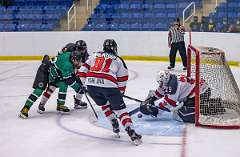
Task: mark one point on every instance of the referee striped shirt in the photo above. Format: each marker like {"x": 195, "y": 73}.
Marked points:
{"x": 176, "y": 34}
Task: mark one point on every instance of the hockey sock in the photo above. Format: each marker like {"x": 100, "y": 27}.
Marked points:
{"x": 33, "y": 97}
{"x": 61, "y": 98}
{"x": 108, "y": 112}
{"x": 47, "y": 94}
{"x": 124, "y": 118}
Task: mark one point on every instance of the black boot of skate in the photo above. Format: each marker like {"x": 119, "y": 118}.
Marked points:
{"x": 135, "y": 138}
{"x": 78, "y": 104}
{"x": 115, "y": 126}
{"x": 41, "y": 108}
{"x": 63, "y": 109}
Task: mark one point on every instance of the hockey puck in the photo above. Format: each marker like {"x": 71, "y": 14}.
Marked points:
{"x": 139, "y": 115}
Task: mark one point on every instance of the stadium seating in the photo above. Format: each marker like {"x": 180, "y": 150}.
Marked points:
{"x": 33, "y": 15}
{"x": 229, "y": 10}
{"x": 152, "y": 15}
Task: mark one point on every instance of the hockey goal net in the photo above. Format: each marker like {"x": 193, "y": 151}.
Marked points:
{"x": 221, "y": 106}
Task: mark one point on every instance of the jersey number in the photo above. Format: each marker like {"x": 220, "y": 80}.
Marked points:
{"x": 98, "y": 66}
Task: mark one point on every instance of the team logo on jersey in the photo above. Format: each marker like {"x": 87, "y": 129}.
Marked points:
{"x": 40, "y": 84}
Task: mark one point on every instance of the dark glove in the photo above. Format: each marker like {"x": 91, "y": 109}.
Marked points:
{"x": 149, "y": 100}
{"x": 149, "y": 109}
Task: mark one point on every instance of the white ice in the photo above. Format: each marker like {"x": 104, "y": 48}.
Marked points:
{"x": 74, "y": 135}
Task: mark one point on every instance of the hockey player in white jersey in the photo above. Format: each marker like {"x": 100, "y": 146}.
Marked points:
{"x": 106, "y": 77}
{"x": 174, "y": 94}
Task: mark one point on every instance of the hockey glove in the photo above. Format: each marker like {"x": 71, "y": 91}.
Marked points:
{"x": 149, "y": 109}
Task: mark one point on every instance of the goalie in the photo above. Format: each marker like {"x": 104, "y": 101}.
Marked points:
{"x": 176, "y": 94}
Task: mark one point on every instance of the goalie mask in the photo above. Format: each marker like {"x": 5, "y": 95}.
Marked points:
{"x": 110, "y": 46}
{"x": 163, "y": 78}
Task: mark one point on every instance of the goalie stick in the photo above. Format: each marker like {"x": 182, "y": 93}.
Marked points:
{"x": 137, "y": 109}
{"x": 134, "y": 111}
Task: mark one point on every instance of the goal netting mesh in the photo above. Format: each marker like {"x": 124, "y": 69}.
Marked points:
{"x": 220, "y": 105}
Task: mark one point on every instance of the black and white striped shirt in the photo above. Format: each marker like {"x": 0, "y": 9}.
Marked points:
{"x": 176, "y": 34}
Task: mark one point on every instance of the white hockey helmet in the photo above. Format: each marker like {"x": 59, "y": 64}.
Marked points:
{"x": 162, "y": 78}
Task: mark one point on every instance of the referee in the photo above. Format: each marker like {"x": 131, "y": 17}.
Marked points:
{"x": 176, "y": 42}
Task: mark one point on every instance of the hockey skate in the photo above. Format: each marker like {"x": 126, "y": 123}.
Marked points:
{"x": 62, "y": 109}
{"x": 24, "y": 113}
{"x": 78, "y": 104}
{"x": 115, "y": 126}
{"x": 135, "y": 138}
{"x": 41, "y": 108}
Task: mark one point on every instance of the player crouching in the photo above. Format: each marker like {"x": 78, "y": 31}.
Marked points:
{"x": 80, "y": 46}
{"x": 176, "y": 94}
{"x": 60, "y": 73}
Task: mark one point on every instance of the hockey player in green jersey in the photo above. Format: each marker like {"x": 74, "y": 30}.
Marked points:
{"x": 80, "y": 46}
{"x": 60, "y": 73}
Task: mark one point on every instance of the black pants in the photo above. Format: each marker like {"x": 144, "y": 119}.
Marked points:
{"x": 101, "y": 95}
{"x": 180, "y": 46}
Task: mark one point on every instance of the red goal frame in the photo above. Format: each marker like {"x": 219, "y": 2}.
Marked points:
{"x": 191, "y": 49}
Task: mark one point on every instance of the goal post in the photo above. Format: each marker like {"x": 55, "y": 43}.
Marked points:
{"x": 221, "y": 108}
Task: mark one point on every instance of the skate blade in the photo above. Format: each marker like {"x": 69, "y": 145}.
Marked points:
{"x": 116, "y": 135}
{"x": 137, "y": 142}
{"x": 63, "y": 113}
{"x": 40, "y": 111}
{"x": 22, "y": 116}
{"x": 80, "y": 108}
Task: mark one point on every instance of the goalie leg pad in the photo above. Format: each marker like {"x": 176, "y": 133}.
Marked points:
{"x": 187, "y": 114}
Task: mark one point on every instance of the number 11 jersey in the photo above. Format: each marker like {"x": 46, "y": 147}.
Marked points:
{"x": 105, "y": 70}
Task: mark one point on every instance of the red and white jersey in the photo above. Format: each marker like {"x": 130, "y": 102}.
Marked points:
{"x": 179, "y": 89}
{"x": 105, "y": 70}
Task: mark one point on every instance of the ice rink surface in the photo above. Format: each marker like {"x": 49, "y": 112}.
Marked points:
{"x": 79, "y": 135}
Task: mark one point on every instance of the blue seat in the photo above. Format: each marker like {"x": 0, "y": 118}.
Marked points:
{"x": 101, "y": 27}
{"x": 52, "y": 17}
{"x": 88, "y": 27}
{"x": 137, "y": 15}
{"x": 136, "y": 6}
{"x": 6, "y": 17}
{"x": 160, "y": 15}
{"x": 123, "y": 6}
{"x": 159, "y": 6}
{"x": 9, "y": 27}
{"x": 2, "y": 27}
{"x": 126, "y": 15}
{"x": 29, "y": 27}
{"x": 114, "y": 27}
{"x": 47, "y": 27}
{"x": 148, "y": 15}
{"x": 30, "y": 10}
{"x": 161, "y": 27}
{"x": 148, "y": 27}
{"x": 124, "y": 27}
{"x": 147, "y": 6}
{"x": 136, "y": 27}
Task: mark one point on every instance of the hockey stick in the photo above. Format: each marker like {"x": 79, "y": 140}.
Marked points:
{"x": 131, "y": 98}
{"x": 134, "y": 111}
{"x": 95, "y": 113}
{"x": 85, "y": 93}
